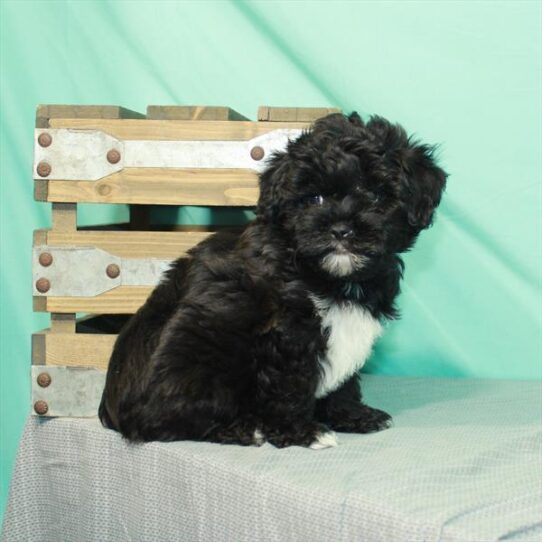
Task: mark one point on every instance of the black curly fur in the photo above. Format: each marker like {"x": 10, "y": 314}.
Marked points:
{"x": 229, "y": 342}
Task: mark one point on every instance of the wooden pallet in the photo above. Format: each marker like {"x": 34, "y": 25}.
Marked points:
{"x": 173, "y": 155}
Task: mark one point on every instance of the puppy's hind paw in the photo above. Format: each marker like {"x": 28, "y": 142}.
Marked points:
{"x": 325, "y": 440}
{"x": 258, "y": 438}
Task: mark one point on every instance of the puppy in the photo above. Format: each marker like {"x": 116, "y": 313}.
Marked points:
{"x": 258, "y": 336}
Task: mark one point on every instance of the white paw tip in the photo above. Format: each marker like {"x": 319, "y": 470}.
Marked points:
{"x": 325, "y": 440}
{"x": 258, "y": 437}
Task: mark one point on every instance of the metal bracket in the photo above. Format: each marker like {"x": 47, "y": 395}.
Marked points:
{"x": 89, "y": 271}
{"x": 84, "y": 155}
{"x": 66, "y": 391}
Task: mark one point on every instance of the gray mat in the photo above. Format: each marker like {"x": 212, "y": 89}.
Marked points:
{"x": 463, "y": 462}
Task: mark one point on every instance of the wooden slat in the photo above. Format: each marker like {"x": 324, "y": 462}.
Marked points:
{"x": 163, "y": 186}
{"x": 200, "y": 130}
{"x": 121, "y": 300}
{"x": 44, "y": 113}
{"x": 192, "y": 112}
{"x": 294, "y": 114}
{"x": 40, "y": 190}
{"x": 129, "y": 244}
{"x": 72, "y": 349}
{"x": 63, "y": 323}
{"x": 125, "y": 244}
{"x": 64, "y": 216}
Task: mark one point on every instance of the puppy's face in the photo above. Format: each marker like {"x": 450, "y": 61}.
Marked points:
{"x": 346, "y": 194}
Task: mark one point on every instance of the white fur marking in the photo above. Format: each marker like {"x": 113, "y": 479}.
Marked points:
{"x": 258, "y": 437}
{"x": 325, "y": 440}
{"x": 341, "y": 265}
{"x": 352, "y": 332}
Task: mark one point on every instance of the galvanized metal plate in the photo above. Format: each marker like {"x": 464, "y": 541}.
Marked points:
{"x": 82, "y": 271}
{"x": 81, "y": 155}
{"x": 77, "y": 154}
{"x": 73, "y": 391}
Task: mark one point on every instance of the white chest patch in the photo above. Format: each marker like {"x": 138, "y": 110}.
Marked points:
{"x": 352, "y": 332}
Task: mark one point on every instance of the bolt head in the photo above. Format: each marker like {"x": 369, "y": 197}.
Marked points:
{"x": 43, "y": 285}
{"x": 45, "y": 259}
{"x": 43, "y": 379}
{"x": 44, "y": 169}
{"x": 41, "y": 407}
{"x": 113, "y": 156}
{"x": 45, "y": 139}
{"x": 257, "y": 153}
{"x": 112, "y": 270}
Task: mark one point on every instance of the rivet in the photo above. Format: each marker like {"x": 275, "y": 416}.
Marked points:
{"x": 45, "y": 139}
{"x": 257, "y": 153}
{"x": 45, "y": 259}
{"x": 43, "y": 285}
{"x": 43, "y": 169}
{"x": 41, "y": 407}
{"x": 113, "y": 156}
{"x": 112, "y": 270}
{"x": 44, "y": 379}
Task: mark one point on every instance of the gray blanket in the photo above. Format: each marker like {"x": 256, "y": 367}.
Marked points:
{"x": 463, "y": 462}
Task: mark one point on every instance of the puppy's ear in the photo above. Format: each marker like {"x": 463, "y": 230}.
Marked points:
{"x": 273, "y": 183}
{"x": 337, "y": 125}
{"x": 421, "y": 180}
{"x": 423, "y": 184}
{"x": 355, "y": 119}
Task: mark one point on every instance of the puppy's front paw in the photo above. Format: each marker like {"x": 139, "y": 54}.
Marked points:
{"x": 362, "y": 419}
{"x": 298, "y": 434}
{"x": 325, "y": 440}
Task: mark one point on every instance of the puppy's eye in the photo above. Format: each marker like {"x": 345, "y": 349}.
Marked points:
{"x": 375, "y": 197}
{"x": 315, "y": 199}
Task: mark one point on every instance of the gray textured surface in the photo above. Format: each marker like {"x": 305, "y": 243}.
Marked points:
{"x": 462, "y": 463}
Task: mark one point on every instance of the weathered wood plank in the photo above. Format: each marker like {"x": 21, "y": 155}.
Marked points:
{"x": 65, "y": 216}
{"x": 163, "y": 186}
{"x": 128, "y": 244}
{"x": 293, "y": 114}
{"x": 72, "y": 349}
{"x": 40, "y": 190}
{"x": 192, "y": 112}
{"x": 121, "y": 300}
{"x": 62, "y": 323}
{"x": 187, "y": 130}
{"x": 44, "y": 113}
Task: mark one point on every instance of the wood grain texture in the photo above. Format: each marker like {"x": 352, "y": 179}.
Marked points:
{"x": 44, "y": 113}
{"x": 293, "y": 114}
{"x": 121, "y": 300}
{"x": 72, "y": 349}
{"x": 192, "y": 112}
{"x": 63, "y": 323}
{"x": 176, "y": 130}
{"x": 40, "y": 190}
{"x": 129, "y": 244}
{"x": 64, "y": 216}
{"x": 163, "y": 186}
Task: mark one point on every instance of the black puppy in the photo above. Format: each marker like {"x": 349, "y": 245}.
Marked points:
{"x": 258, "y": 336}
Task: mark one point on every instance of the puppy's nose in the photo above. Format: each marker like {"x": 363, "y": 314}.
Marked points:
{"x": 342, "y": 231}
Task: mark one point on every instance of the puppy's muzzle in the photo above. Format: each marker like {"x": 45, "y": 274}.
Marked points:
{"x": 342, "y": 231}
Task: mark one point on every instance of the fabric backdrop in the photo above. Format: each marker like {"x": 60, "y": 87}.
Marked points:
{"x": 466, "y": 75}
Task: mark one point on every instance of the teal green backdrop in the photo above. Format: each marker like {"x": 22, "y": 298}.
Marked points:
{"x": 463, "y": 74}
